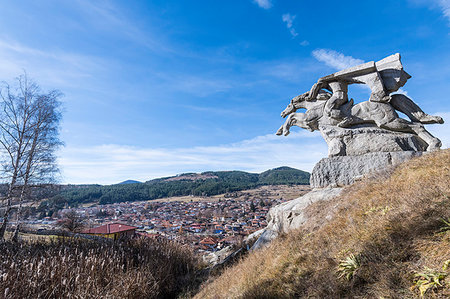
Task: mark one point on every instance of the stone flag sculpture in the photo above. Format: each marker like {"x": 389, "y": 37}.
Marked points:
{"x": 366, "y": 136}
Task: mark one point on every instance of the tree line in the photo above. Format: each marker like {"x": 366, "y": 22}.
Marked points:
{"x": 219, "y": 182}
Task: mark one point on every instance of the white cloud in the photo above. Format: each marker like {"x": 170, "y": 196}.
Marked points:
{"x": 266, "y": 4}
{"x": 108, "y": 164}
{"x": 335, "y": 59}
{"x": 445, "y": 8}
{"x": 105, "y": 15}
{"x": 52, "y": 67}
{"x": 442, "y": 5}
{"x": 402, "y": 91}
{"x": 289, "y": 20}
{"x": 304, "y": 43}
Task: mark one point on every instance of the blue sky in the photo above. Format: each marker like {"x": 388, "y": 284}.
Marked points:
{"x": 156, "y": 88}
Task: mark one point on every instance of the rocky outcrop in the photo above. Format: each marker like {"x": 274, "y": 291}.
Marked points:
{"x": 363, "y": 139}
{"x": 327, "y": 178}
{"x": 218, "y": 257}
{"x": 290, "y": 215}
{"x": 343, "y": 170}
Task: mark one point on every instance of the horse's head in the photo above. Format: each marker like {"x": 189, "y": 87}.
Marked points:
{"x": 289, "y": 109}
{"x": 294, "y": 104}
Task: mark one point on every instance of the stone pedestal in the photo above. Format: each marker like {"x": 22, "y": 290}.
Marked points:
{"x": 365, "y": 139}
{"x": 343, "y": 170}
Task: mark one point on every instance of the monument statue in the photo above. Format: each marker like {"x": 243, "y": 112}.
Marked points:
{"x": 362, "y": 138}
{"x": 370, "y": 127}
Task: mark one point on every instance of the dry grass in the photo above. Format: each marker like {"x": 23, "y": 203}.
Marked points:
{"x": 75, "y": 268}
{"x": 390, "y": 222}
{"x": 31, "y": 237}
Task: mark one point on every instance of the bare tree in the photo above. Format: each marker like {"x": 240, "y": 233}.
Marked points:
{"x": 29, "y": 130}
{"x": 72, "y": 222}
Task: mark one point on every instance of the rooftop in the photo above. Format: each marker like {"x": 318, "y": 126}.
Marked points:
{"x": 109, "y": 228}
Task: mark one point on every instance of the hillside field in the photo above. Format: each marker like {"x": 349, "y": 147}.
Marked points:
{"x": 387, "y": 237}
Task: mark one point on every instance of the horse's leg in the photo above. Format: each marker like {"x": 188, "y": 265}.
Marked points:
{"x": 405, "y": 105}
{"x": 280, "y": 131}
{"x": 352, "y": 121}
{"x": 301, "y": 120}
{"x": 294, "y": 119}
{"x": 401, "y": 125}
{"x": 284, "y": 129}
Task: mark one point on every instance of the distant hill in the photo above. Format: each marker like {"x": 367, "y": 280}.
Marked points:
{"x": 283, "y": 175}
{"x": 200, "y": 184}
{"x": 129, "y": 182}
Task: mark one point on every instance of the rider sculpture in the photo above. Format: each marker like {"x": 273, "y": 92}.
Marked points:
{"x": 327, "y": 104}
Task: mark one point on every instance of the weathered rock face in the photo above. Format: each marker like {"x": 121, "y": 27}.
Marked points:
{"x": 218, "y": 257}
{"x": 290, "y": 215}
{"x": 365, "y": 139}
{"x": 327, "y": 178}
{"x": 343, "y": 170}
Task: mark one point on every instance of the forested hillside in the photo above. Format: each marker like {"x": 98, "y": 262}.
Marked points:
{"x": 204, "y": 184}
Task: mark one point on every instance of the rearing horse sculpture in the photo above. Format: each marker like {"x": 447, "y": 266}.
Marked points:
{"x": 335, "y": 116}
{"x": 383, "y": 115}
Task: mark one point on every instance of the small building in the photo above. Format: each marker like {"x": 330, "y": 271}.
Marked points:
{"x": 208, "y": 243}
{"x": 112, "y": 230}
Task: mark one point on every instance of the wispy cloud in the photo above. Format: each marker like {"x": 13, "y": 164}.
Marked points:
{"x": 291, "y": 70}
{"x": 266, "y": 4}
{"x": 304, "y": 43}
{"x": 289, "y": 20}
{"x": 402, "y": 91}
{"x": 335, "y": 59}
{"x": 104, "y": 14}
{"x": 215, "y": 110}
{"x": 445, "y": 8}
{"x": 108, "y": 164}
{"x": 442, "y": 5}
{"x": 54, "y": 67}
{"x": 203, "y": 86}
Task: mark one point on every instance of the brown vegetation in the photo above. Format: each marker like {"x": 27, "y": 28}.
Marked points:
{"x": 71, "y": 268}
{"x": 386, "y": 238}
{"x": 192, "y": 177}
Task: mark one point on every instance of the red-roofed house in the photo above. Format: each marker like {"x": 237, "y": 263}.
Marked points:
{"x": 112, "y": 231}
{"x": 208, "y": 243}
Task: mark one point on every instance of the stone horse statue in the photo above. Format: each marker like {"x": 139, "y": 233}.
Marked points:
{"x": 374, "y": 122}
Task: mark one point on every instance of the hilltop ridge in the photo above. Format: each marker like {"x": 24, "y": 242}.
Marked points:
{"x": 129, "y": 182}
{"x": 199, "y": 184}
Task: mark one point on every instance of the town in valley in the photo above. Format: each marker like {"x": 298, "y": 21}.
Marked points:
{"x": 206, "y": 223}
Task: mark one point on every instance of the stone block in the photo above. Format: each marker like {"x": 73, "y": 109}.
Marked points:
{"x": 343, "y": 170}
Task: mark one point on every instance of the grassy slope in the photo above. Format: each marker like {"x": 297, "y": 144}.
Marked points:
{"x": 390, "y": 221}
